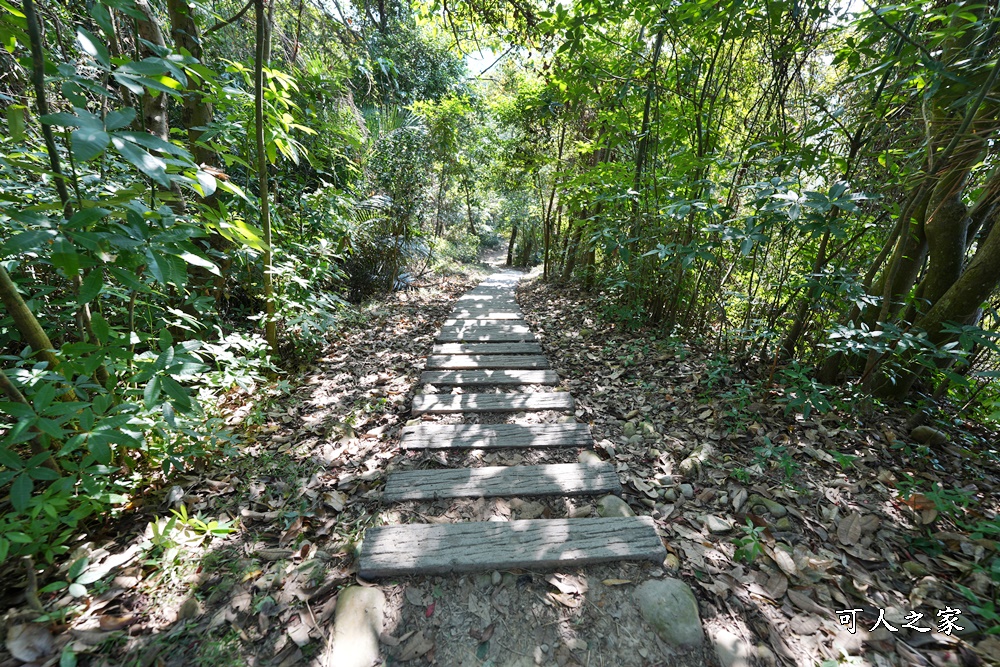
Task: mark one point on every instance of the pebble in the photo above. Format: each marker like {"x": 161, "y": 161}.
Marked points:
{"x": 687, "y": 490}
{"x": 629, "y": 429}
{"x": 784, "y": 523}
{"x": 670, "y": 495}
{"x": 589, "y": 457}
{"x": 716, "y": 524}
{"x": 609, "y": 506}
{"x": 670, "y": 608}
{"x": 929, "y": 436}
{"x": 497, "y": 578}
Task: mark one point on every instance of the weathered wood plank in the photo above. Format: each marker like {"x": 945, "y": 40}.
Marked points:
{"x": 486, "y": 314}
{"x": 462, "y": 362}
{"x": 500, "y": 545}
{"x": 481, "y": 335}
{"x": 483, "y": 322}
{"x": 494, "y": 436}
{"x": 440, "y": 404}
{"x": 495, "y": 377}
{"x": 487, "y": 348}
{"x": 475, "y": 327}
{"x": 557, "y": 479}
{"x": 487, "y": 299}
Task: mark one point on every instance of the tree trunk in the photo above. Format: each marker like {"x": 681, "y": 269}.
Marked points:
{"x": 270, "y": 327}
{"x": 197, "y": 111}
{"x": 510, "y": 245}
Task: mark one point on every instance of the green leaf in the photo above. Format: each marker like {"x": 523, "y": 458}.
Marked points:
{"x": 177, "y": 392}
{"x": 62, "y": 118}
{"x": 91, "y": 287}
{"x": 100, "y": 448}
{"x": 17, "y": 410}
{"x": 64, "y": 257}
{"x": 101, "y": 328}
{"x": 4, "y": 549}
{"x": 102, "y": 17}
{"x": 151, "y": 392}
{"x": 88, "y": 143}
{"x": 93, "y": 47}
{"x": 154, "y": 167}
{"x": 197, "y": 260}
{"x": 35, "y": 239}
{"x": 119, "y": 119}
{"x": 77, "y": 568}
{"x": 68, "y": 657}
{"x": 20, "y": 492}
{"x": 15, "y": 121}
{"x": 82, "y": 218}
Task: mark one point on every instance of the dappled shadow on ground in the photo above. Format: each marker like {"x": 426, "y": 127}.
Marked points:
{"x": 304, "y": 485}
{"x": 777, "y": 520}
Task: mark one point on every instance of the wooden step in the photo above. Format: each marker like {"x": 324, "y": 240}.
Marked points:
{"x": 390, "y": 551}
{"x": 482, "y": 322}
{"x": 483, "y": 335}
{"x": 485, "y": 314}
{"x": 487, "y": 348}
{"x": 556, "y": 479}
{"x": 442, "y": 404}
{"x": 474, "y": 327}
{"x": 469, "y": 378}
{"x": 461, "y": 362}
{"x": 494, "y": 436}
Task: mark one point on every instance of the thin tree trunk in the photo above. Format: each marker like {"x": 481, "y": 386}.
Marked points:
{"x": 263, "y": 51}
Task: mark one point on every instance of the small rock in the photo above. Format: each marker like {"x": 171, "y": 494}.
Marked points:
{"x": 915, "y": 568}
{"x": 654, "y": 453}
{"x": 483, "y": 580}
{"x": 670, "y": 608}
{"x": 717, "y": 524}
{"x": 566, "y": 419}
{"x": 497, "y": 578}
{"x": 929, "y": 436}
{"x": 357, "y": 624}
{"x": 590, "y": 457}
{"x": 731, "y": 649}
{"x": 670, "y": 495}
{"x": 687, "y": 490}
{"x": 29, "y": 642}
{"x": 629, "y": 429}
{"x": 613, "y": 506}
{"x": 766, "y": 656}
{"x": 672, "y": 562}
{"x": 576, "y": 644}
{"x": 635, "y": 439}
{"x": 190, "y": 609}
{"x": 784, "y": 523}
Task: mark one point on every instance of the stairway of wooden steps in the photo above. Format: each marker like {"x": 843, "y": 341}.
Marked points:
{"x": 485, "y": 343}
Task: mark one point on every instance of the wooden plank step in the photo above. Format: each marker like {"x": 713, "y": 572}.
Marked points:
{"x": 494, "y": 436}
{"x": 442, "y": 404}
{"x": 462, "y": 362}
{"x": 487, "y": 299}
{"x": 482, "y": 335}
{"x": 558, "y": 479}
{"x": 476, "y": 326}
{"x": 497, "y": 377}
{"x": 390, "y": 551}
{"x": 487, "y": 348}
{"x": 485, "y": 314}
{"x": 483, "y": 322}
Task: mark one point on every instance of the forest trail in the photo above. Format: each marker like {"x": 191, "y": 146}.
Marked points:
{"x": 423, "y": 548}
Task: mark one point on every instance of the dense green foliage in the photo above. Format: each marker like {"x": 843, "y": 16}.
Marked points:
{"x": 139, "y": 259}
